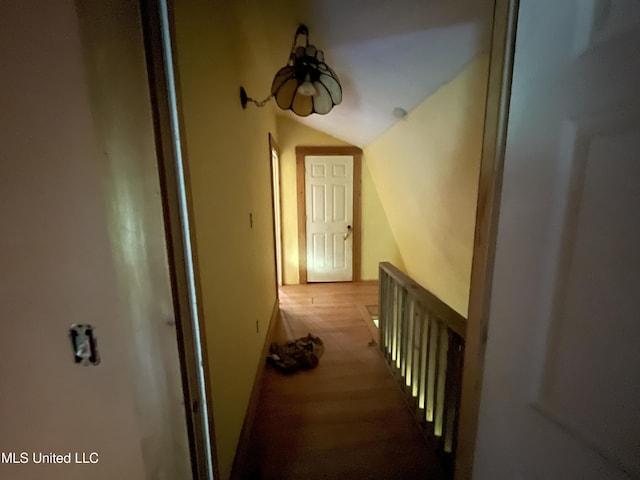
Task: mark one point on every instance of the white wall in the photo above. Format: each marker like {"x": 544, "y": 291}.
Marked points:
{"x": 112, "y": 40}
{"x": 56, "y": 265}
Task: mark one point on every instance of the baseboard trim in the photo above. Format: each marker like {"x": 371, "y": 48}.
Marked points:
{"x": 240, "y": 459}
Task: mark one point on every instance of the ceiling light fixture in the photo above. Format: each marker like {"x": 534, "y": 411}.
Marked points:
{"x": 306, "y": 84}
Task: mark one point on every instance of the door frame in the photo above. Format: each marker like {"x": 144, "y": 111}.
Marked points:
{"x": 301, "y": 153}
{"x": 505, "y": 17}
{"x": 192, "y": 347}
{"x": 276, "y": 201}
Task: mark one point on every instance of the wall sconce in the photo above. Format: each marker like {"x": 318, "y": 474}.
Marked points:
{"x": 306, "y": 84}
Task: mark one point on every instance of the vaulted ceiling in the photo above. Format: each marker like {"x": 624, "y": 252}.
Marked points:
{"x": 386, "y": 53}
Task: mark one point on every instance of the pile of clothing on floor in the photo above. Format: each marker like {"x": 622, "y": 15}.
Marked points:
{"x": 302, "y": 353}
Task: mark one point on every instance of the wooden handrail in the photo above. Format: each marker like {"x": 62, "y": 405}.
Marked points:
{"x": 444, "y": 312}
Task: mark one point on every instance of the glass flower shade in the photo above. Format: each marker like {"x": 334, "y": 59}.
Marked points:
{"x": 306, "y": 85}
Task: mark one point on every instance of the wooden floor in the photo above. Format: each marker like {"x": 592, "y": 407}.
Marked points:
{"x": 346, "y": 419}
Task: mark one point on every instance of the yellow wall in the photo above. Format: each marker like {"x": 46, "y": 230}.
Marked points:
{"x": 426, "y": 171}
{"x": 378, "y": 243}
{"x": 227, "y": 154}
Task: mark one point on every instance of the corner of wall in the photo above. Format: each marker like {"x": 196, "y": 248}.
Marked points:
{"x": 378, "y": 243}
{"x": 429, "y": 190}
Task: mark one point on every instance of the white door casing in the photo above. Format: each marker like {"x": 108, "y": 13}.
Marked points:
{"x": 329, "y": 217}
{"x": 560, "y": 394}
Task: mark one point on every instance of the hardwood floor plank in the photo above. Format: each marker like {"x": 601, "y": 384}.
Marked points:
{"x": 345, "y": 419}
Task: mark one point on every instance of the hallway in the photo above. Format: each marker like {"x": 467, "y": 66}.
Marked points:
{"x": 346, "y": 418}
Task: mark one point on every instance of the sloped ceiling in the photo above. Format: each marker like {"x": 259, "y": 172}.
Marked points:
{"x": 386, "y": 53}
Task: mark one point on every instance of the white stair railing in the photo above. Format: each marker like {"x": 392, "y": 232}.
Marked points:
{"x": 422, "y": 339}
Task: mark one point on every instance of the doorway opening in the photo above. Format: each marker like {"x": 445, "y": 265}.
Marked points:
{"x": 274, "y": 152}
{"x": 178, "y": 228}
{"x": 329, "y": 192}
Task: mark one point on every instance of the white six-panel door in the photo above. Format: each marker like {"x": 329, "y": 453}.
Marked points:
{"x": 561, "y": 389}
{"x": 329, "y": 212}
